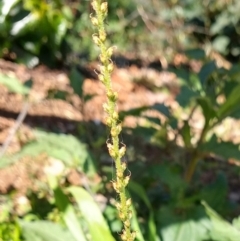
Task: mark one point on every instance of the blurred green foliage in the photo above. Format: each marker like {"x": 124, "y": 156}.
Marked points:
{"x": 57, "y": 32}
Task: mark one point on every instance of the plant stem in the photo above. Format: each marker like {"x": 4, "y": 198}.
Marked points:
{"x": 110, "y": 107}
{"x": 196, "y": 155}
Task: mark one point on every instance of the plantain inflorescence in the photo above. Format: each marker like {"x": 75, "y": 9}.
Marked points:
{"x": 116, "y": 149}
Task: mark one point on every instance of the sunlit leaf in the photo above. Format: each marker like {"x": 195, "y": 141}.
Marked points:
{"x": 193, "y": 226}
{"x": 90, "y": 211}
{"x": 221, "y": 230}
{"x": 69, "y": 215}
{"x": 66, "y": 148}
{"x": 221, "y": 148}
{"x": 231, "y": 104}
{"x": 13, "y": 84}
{"x": 44, "y": 230}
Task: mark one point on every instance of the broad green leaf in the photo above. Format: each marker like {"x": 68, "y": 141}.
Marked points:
{"x": 221, "y": 230}
{"x": 171, "y": 176}
{"x": 138, "y": 189}
{"x": 195, "y": 54}
{"x": 90, "y": 211}
{"x": 163, "y": 109}
{"x": 192, "y": 226}
{"x": 236, "y": 223}
{"x": 76, "y": 81}
{"x": 44, "y": 231}
{"x": 206, "y": 71}
{"x": 231, "y": 104}
{"x": 207, "y": 108}
{"x": 13, "y": 84}
{"x": 66, "y": 148}
{"x": 133, "y": 112}
{"x": 69, "y": 215}
{"x": 218, "y": 188}
{"x": 6, "y": 8}
{"x": 224, "y": 149}
{"x": 185, "y": 96}
{"x": 220, "y": 44}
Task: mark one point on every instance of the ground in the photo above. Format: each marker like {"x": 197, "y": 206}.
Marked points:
{"x": 135, "y": 84}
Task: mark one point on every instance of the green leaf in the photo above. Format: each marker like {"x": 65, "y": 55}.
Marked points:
{"x": 171, "y": 176}
{"x": 206, "y": 70}
{"x": 69, "y": 215}
{"x": 193, "y": 226}
{"x": 138, "y": 189}
{"x": 236, "y": 223}
{"x": 231, "y": 104}
{"x": 76, "y": 81}
{"x": 44, "y": 230}
{"x": 185, "y": 96}
{"x": 207, "y": 108}
{"x": 221, "y": 230}
{"x": 198, "y": 54}
{"x": 90, "y": 211}
{"x": 223, "y": 149}
{"x": 66, "y": 148}
{"x": 163, "y": 109}
{"x": 218, "y": 188}
{"x": 133, "y": 112}
{"x": 13, "y": 84}
{"x": 220, "y": 44}
{"x": 186, "y": 134}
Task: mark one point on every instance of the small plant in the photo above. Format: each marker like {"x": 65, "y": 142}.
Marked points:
{"x": 112, "y": 120}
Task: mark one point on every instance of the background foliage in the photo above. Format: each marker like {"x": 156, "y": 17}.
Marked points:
{"x": 170, "y": 200}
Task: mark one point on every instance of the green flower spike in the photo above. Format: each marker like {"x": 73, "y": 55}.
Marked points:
{"x": 110, "y": 107}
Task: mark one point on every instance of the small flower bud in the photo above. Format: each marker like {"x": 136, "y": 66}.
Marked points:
{"x": 96, "y": 40}
{"x": 102, "y": 35}
{"x": 109, "y": 52}
{"x": 124, "y": 166}
{"x": 94, "y": 21}
{"x": 103, "y": 58}
{"x": 122, "y": 216}
{"x": 133, "y": 235}
{"x": 129, "y": 202}
{"x": 115, "y": 115}
{"x": 127, "y": 223}
{"x": 104, "y": 7}
{"x": 118, "y": 206}
{"x": 94, "y": 5}
{"x": 124, "y": 237}
{"x": 101, "y": 77}
{"x": 113, "y": 95}
{"x": 110, "y": 67}
{"x": 122, "y": 151}
{"x": 106, "y": 107}
{"x": 126, "y": 180}
{"x": 119, "y": 174}
{"x": 102, "y": 69}
{"x": 108, "y": 121}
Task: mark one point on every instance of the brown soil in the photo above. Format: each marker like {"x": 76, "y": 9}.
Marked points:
{"x": 135, "y": 90}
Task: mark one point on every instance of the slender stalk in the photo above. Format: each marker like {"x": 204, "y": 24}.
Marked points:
{"x": 196, "y": 155}
{"x": 116, "y": 150}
